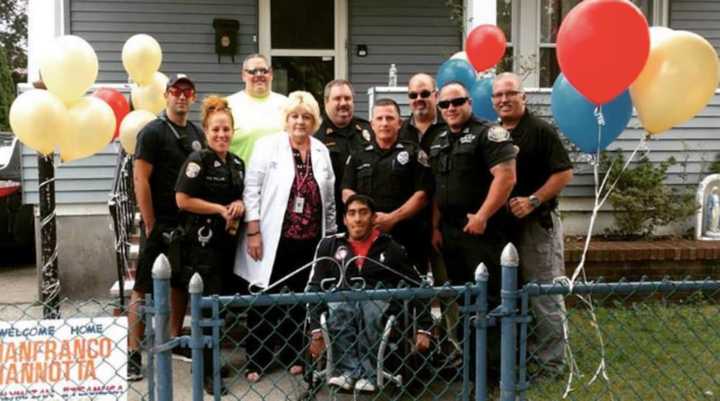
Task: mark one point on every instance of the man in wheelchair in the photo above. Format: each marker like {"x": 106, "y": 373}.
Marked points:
{"x": 367, "y": 258}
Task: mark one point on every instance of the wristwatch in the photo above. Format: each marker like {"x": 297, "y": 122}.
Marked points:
{"x": 534, "y": 201}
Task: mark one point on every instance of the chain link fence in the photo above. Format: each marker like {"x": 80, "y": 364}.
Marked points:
{"x": 625, "y": 341}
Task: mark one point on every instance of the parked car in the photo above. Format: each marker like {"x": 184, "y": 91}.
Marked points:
{"x": 17, "y": 229}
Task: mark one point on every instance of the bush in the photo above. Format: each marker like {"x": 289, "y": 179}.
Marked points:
{"x": 7, "y": 91}
{"x": 641, "y": 200}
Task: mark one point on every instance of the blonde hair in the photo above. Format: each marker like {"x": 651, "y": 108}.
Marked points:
{"x": 301, "y": 100}
{"x": 215, "y": 104}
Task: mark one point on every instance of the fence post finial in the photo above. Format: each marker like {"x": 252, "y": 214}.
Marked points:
{"x": 161, "y": 268}
{"x": 481, "y": 272}
{"x": 196, "y": 284}
{"x": 510, "y": 256}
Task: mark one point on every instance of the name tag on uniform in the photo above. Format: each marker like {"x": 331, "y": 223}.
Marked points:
{"x": 299, "y": 204}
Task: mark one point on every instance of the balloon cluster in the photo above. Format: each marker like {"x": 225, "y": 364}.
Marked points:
{"x": 610, "y": 59}
{"x": 60, "y": 116}
{"x": 141, "y": 57}
{"x": 484, "y": 48}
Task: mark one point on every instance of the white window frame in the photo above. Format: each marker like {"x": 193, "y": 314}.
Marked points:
{"x": 525, "y": 26}
{"x": 339, "y": 53}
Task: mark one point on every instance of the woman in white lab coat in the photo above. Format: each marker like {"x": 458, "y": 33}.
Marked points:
{"x": 290, "y": 205}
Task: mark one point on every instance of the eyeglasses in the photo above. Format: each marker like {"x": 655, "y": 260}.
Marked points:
{"x": 457, "y": 102}
{"x": 258, "y": 71}
{"x": 423, "y": 94}
{"x": 175, "y": 91}
{"x": 507, "y": 94}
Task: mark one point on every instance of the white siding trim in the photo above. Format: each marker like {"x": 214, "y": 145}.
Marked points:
{"x": 45, "y": 22}
{"x": 478, "y": 12}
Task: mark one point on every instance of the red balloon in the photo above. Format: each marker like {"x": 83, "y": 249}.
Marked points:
{"x": 117, "y": 102}
{"x": 485, "y": 46}
{"x": 602, "y": 46}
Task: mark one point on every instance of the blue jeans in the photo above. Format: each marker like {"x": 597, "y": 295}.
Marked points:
{"x": 356, "y": 330}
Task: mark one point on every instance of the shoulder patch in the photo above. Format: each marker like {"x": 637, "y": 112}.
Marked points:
{"x": 192, "y": 170}
{"x": 498, "y": 134}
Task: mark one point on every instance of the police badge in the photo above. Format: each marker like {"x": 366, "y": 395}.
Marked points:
{"x": 403, "y": 157}
{"x": 366, "y": 135}
{"x": 196, "y": 146}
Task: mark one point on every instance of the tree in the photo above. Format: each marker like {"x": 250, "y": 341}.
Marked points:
{"x": 7, "y": 92}
{"x": 13, "y": 36}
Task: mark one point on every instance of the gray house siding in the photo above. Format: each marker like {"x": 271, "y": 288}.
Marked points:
{"x": 414, "y": 38}
{"x": 701, "y": 17}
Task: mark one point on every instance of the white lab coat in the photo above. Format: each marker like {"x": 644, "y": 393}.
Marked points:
{"x": 268, "y": 181}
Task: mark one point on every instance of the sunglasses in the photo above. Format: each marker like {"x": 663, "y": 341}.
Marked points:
{"x": 258, "y": 71}
{"x": 457, "y": 102}
{"x": 423, "y": 94}
{"x": 175, "y": 91}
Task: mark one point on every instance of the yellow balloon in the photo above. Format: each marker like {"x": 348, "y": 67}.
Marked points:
{"x": 678, "y": 80}
{"x": 131, "y": 126}
{"x": 38, "y": 118}
{"x": 69, "y": 67}
{"x": 150, "y": 97}
{"x": 141, "y": 57}
{"x": 92, "y": 125}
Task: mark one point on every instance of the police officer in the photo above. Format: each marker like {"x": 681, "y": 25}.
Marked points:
{"x": 209, "y": 192}
{"x": 342, "y": 133}
{"x": 162, "y": 147}
{"x": 424, "y": 125}
{"x": 544, "y": 169}
{"x": 474, "y": 167}
{"x": 389, "y": 171}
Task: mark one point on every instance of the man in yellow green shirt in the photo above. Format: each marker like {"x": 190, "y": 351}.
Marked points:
{"x": 257, "y": 111}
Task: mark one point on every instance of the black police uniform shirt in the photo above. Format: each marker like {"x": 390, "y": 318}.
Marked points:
{"x": 410, "y": 133}
{"x": 541, "y": 154}
{"x": 158, "y": 145}
{"x": 206, "y": 176}
{"x": 461, "y": 164}
{"x": 389, "y": 176}
{"x": 341, "y": 142}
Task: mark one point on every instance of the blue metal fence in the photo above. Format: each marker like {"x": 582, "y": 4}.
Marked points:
{"x": 667, "y": 301}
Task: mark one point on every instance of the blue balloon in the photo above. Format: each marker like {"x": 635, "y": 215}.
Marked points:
{"x": 456, "y": 70}
{"x": 481, "y": 94}
{"x": 575, "y": 116}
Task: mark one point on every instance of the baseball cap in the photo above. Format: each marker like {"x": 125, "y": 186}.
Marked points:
{"x": 180, "y": 78}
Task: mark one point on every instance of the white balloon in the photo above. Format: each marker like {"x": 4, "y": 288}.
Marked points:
{"x": 460, "y": 55}
{"x": 131, "y": 126}
{"x": 69, "y": 67}
{"x": 38, "y": 118}
{"x": 141, "y": 57}
{"x": 150, "y": 97}
{"x": 92, "y": 125}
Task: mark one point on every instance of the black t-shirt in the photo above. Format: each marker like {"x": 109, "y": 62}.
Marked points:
{"x": 389, "y": 176}
{"x": 158, "y": 145}
{"x": 461, "y": 164}
{"x": 541, "y": 155}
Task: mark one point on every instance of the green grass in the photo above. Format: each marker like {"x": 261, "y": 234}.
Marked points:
{"x": 653, "y": 351}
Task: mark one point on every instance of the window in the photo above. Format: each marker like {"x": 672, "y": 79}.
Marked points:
{"x": 531, "y": 29}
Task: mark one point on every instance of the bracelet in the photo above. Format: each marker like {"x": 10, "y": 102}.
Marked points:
{"x": 253, "y": 234}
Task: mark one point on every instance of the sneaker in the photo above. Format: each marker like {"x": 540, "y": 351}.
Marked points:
{"x": 182, "y": 354}
{"x": 365, "y": 385}
{"x": 344, "y": 381}
{"x": 134, "y": 366}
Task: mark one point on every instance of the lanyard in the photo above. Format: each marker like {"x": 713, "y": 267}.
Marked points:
{"x": 301, "y": 179}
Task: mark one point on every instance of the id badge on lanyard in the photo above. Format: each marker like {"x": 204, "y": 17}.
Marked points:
{"x": 299, "y": 201}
